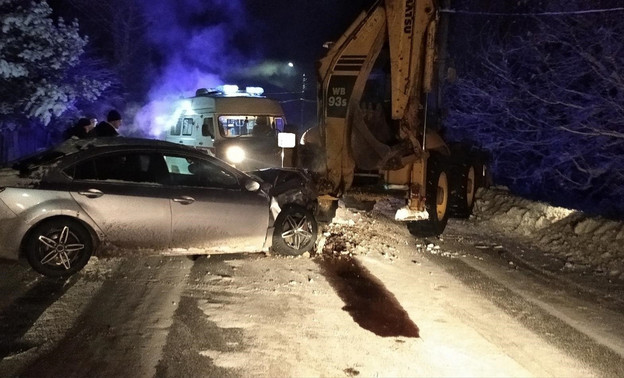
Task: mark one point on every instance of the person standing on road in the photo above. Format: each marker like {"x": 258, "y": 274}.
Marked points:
{"x": 109, "y": 127}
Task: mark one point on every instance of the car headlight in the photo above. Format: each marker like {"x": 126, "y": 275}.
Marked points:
{"x": 235, "y": 154}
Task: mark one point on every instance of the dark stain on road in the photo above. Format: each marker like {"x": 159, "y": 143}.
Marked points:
{"x": 366, "y": 299}
{"x": 19, "y": 316}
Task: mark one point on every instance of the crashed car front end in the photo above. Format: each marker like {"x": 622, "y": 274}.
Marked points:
{"x": 290, "y": 186}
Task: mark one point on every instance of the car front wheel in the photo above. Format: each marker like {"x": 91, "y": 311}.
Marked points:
{"x": 295, "y": 231}
{"x": 58, "y": 247}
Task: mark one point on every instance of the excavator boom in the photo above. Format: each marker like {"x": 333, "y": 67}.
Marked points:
{"x": 406, "y": 27}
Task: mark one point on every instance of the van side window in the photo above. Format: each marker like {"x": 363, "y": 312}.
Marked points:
{"x": 208, "y": 128}
{"x": 187, "y": 126}
{"x": 175, "y": 129}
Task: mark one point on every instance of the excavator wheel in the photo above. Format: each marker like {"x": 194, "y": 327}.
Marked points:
{"x": 463, "y": 189}
{"x": 437, "y": 202}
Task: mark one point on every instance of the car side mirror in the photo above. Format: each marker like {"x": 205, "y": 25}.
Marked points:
{"x": 251, "y": 185}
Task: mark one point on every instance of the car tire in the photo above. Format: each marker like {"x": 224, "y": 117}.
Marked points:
{"x": 58, "y": 247}
{"x": 436, "y": 203}
{"x": 295, "y": 231}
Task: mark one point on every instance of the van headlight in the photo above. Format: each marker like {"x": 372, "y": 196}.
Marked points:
{"x": 235, "y": 154}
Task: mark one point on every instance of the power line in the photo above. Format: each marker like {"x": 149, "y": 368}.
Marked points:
{"x": 589, "y": 11}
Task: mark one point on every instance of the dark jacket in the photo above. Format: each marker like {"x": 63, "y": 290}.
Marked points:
{"x": 103, "y": 129}
{"x": 75, "y": 131}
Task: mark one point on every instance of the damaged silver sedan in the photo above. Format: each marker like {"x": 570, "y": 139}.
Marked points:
{"x": 61, "y": 206}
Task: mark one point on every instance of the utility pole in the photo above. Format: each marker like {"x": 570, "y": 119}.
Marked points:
{"x": 302, "y": 99}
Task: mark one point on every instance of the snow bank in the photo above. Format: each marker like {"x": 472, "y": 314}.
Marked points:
{"x": 583, "y": 242}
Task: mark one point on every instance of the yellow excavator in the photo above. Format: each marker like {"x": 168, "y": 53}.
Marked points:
{"x": 378, "y": 113}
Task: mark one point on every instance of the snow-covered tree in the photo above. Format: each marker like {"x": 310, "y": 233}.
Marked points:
{"x": 39, "y": 78}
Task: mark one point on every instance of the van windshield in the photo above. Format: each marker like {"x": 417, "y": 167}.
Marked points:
{"x": 232, "y": 126}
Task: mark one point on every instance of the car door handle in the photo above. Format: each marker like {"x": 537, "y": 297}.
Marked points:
{"x": 184, "y": 200}
{"x": 92, "y": 193}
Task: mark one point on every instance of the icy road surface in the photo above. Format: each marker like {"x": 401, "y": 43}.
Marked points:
{"x": 374, "y": 301}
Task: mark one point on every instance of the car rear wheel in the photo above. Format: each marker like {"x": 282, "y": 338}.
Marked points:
{"x": 58, "y": 247}
{"x": 295, "y": 231}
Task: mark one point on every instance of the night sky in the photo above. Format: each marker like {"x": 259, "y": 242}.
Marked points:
{"x": 210, "y": 40}
{"x": 249, "y": 38}
{"x": 199, "y": 43}
{"x": 297, "y": 29}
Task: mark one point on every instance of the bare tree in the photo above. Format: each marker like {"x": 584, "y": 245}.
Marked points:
{"x": 546, "y": 97}
{"x": 117, "y": 30}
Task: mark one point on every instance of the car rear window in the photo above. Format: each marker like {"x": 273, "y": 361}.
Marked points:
{"x": 31, "y": 163}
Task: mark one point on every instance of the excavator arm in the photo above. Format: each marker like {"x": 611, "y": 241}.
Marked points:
{"x": 387, "y": 57}
{"x": 407, "y": 28}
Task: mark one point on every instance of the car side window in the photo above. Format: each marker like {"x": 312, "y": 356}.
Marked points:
{"x": 129, "y": 167}
{"x": 191, "y": 171}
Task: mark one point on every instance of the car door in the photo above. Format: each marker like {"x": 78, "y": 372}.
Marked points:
{"x": 211, "y": 210}
{"x": 123, "y": 193}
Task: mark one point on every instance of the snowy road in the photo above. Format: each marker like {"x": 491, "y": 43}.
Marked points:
{"x": 473, "y": 305}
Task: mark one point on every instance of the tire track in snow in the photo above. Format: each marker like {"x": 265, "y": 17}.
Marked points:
{"x": 555, "y": 330}
{"x": 37, "y": 312}
{"x": 123, "y": 329}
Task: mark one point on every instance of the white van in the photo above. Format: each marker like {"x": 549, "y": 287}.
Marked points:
{"x": 241, "y": 127}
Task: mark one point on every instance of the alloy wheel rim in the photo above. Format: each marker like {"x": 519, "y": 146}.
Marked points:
{"x": 298, "y": 232}
{"x": 60, "y": 248}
